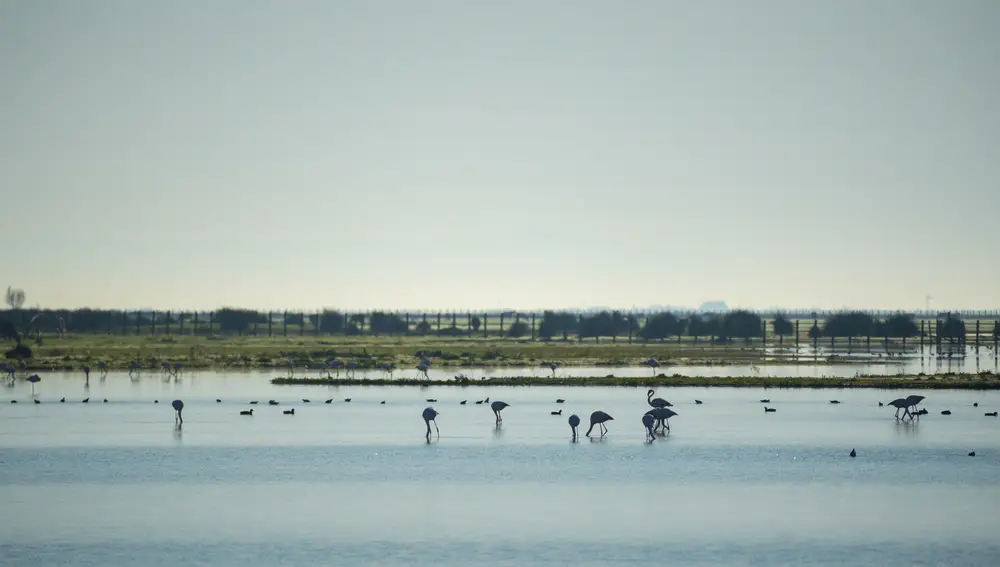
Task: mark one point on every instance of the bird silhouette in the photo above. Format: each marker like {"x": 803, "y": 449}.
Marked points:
{"x": 330, "y": 401}
{"x": 975, "y": 405}
{"x": 247, "y": 412}
{"x": 34, "y": 379}
{"x": 854, "y": 453}
{"x": 272, "y": 403}
{"x": 560, "y": 401}
{"x": 218, "y": 401}
{"x": 462, "y": 403}
{"x": 662, "y": 417}
{"x": 574, "y": 422}
{"x": 85, "y": 401}
{"x": 348, "y": 400}
{"x": 37, "y": 401}
{"x": 496, "y": 407}
{"x": 972, "y": 454}
{"x": 699, "y": 402}
{"x": 382, "y": 402}
{"x": 431, "y": 400}
{"x": 901, "y": 404}
{"x": 766, "y": 401}
{"x": 657, "y": 402}
{"x": 946, "y": 412}
{"x": 647, "y": 422}
{"x": 769, "y": 410}
{"x": 178, "y": 406}
{"x": 834, "y": 401}
{"x": 991, "y": 414}
{"x": 289, "y": 412}
{"x": 430, "y": 414}
{"x": 599, "y": 418}
{"x": 62, "y": 400}
{"x": 556, "y": 412}
{"x": 305, "y": 400}
{"x": 254, "y": 402}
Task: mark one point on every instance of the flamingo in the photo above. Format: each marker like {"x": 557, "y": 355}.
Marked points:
{"x": 8, "y": 369}
{"x": 178, "y": 406}
{"x": 422, "y": 368}
{"x": 177, "y": 368}
{"x": 335, "y": 365}
{"x": 34, "y": 378}
{"x": 913, "y": 400}
{"x": 657, "y": 402}
{"x": 553, "y": 366}
{"x": 647, "y": 422}
{"x": 901, "y": 404}
{"x": 86, "y": 373}
{"x": 653, "y": 364}
{"x": 22, "y": 365}
{"x": 574, "y": 422}
{"x": 430, "y": 414}
{"x": 102, "y": 366}
{"x": 497, "y": 406}
{"x": 290, "y": 365}
{"x": 165, "y": 366}
{"x": 133, "y": 367}
{"x": 662, "y": 416}
{"x": 388, "y": 367}
{"x": 599, "y": 418}
{"x": 351, "y": 367}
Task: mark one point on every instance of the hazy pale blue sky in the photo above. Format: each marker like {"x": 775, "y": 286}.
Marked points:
{"x": 460, "y": 154}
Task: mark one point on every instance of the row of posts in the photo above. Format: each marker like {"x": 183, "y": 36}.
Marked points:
{"x": 928, "y": 329}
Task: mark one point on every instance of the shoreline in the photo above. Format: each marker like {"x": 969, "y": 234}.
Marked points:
{"x": 915, "y": 382}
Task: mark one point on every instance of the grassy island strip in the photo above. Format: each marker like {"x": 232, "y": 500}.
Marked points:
{"x": 983, "y": 381}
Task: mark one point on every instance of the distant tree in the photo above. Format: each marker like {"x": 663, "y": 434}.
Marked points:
{"x": 295, "y": 319}
{"x": 661, "y": 326}
{"x": 384, "y": 323}
{"x": 603, "y": 324}
{"x": 951, "y": 328}
{"x": 331, "y": 321}
{"x": 901, "y": 325}
{"x": 518, "y": 330}
{"x": 782, "y": 327}
{"x": 815, "y": 332}
{"x": 554, "y": 323}
{"x": 14, "y": 298}
{"x": 237, "y": 320}
{"x": 742, "y": 323}
{"x": 850, "y": 324}
{"x": 423, "y": 328}
{"x": 704, "y": 326}
{"x": 476, "y": 322}
{"x": 996, "y": 328}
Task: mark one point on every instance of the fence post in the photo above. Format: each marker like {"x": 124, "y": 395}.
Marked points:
{"x": 211, "y": 323}
{"x": 302, "y": 323}
{"x": 486, "y": 325}
{"x": 167, "y": 323}
{"x": 501, "y": 324}
{"x": 284, "y": 321}
{"x": 439, "y": 321}
{"x": 153, "y": 324}
{"x": 532, "y": 325}
{"x": 124, "y": 322}
{"x": 269, "y": 323}
{"x": 195, "y": 330}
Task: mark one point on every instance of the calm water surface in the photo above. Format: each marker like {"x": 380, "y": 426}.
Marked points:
{"x": 356, "y": 483}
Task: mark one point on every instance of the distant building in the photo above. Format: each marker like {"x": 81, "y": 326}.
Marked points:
{"x": 713, "y": 307}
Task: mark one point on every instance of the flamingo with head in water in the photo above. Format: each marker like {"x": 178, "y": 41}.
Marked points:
{"x": 647, "y": 422}
{"x": 497, "y": 406}
{"x": 599, "y": 418}
{"x": 901, "y": 404}
{"x": 662, "y": 417}
{"x": 422, "y": 369}
{"x": 178, "y": 406}
{"x": 430, "y": 414}
{"x": 574, "y": 422}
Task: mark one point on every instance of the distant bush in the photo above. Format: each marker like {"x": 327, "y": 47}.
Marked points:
{"x": 743, "y": 324}
{"x": 782, "y": 326}
{"x": 850, "y": 324}
{"x": 901, "y": 326}
{"x": 518, "y": 330}
{"x": 661, "y": 326}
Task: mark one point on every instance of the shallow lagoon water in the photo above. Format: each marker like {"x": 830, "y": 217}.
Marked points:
{"x": 356, "y": 483}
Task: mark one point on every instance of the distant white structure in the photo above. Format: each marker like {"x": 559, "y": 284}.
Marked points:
{"x": 713, "y": 307}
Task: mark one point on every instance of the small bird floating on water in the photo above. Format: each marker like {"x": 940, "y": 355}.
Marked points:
{"x": 972, "y": 454}
{"x": 769, "y": 410}
{"x": 854, "y": 453}
{"x": 880, "y": 404}
{"x": 766, "y": 401}
{"x": 254, "y": 402}
{"x": 431, "y": 400}
{"x": 946, "y": 412}
{"x": 156, "y": 401}
{"x": 247, "y": 412}
{"x": 560, "y": 401}
{"x": 347, "y": 400}
{"x": 305, "y": 400}
{"x": 218, "y": 401}
{"x": 13, "y": 401}
{"x": 330, "y": 401}
{"x": 699, "y": 402}
{"x": 38, "y": 401}
{"x": 991, "y": 414}
{"x": 62, "y": 400}
{"x": 462, "y": 403}
{"x": 975, "y": 405}
{"x": 289, "y": 412}
{"x": 272, "y": 403}
{"x": 382, "y": 402}
{"x": 85, "y": 401}
{"x": 559, "y": 412}
{"x": 834, "y": 401}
